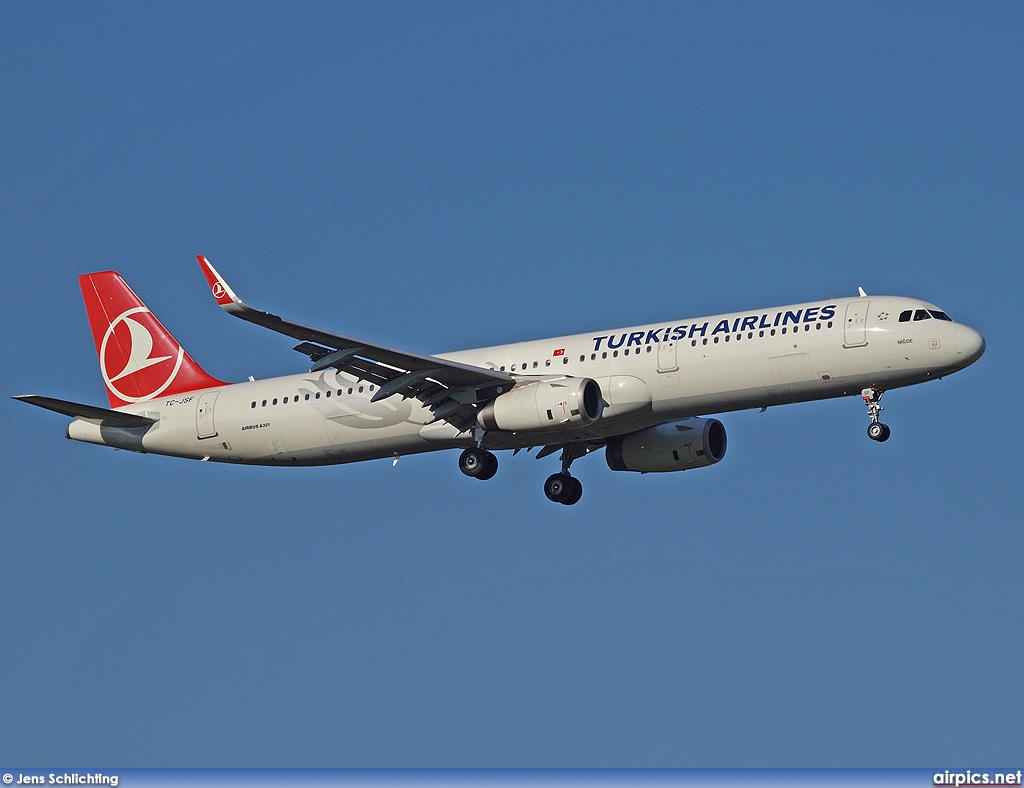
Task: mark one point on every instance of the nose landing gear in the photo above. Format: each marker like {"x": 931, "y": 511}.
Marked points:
{"x": 876, "y": 430}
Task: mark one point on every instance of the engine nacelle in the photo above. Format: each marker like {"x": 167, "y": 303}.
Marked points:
{"x": 544, "y": 405}
{"x": 676, "y": 446}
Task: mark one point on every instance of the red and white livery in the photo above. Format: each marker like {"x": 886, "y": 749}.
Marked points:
{"x": 640, "y": 393}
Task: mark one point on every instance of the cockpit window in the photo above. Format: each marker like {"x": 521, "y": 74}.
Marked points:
{"x": 905, "y": 316}
{"x": 921, "y": 314}
{"x": 939, "y": 315}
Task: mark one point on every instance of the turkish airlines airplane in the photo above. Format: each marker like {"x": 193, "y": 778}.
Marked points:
{"x": 640, "y": 393}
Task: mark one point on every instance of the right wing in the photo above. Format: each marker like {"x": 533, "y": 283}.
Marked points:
{"x": 450, "y": 389}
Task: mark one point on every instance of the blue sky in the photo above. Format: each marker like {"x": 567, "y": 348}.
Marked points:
{"x": 441, "y": 176}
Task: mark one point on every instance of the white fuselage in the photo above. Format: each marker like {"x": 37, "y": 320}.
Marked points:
{"x": 648, "y": 375}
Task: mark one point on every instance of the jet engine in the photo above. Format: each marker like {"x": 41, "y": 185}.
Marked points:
{"x": 544, "y": 405}
{"x": 676, "y": 446}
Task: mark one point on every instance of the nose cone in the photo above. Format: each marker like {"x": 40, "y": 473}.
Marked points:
{"x": 969, "y": 345}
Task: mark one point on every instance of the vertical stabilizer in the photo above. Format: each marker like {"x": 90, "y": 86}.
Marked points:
{"x": 139, "y": 359}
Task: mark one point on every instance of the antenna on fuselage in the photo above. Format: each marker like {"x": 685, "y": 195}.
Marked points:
{"x": 860, "y": 291}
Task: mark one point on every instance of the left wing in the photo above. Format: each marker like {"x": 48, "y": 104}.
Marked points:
{"x": 450, "y": 389}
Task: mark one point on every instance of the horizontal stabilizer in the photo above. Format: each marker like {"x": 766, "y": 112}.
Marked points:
{"x": 90, "y": 413}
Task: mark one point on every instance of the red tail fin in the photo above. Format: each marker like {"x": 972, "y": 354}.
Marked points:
{"x": 139, "y": 359}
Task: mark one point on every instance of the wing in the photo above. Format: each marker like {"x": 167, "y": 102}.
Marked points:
{"x": 94, "y": 415}
{"x": 451, "y": 390}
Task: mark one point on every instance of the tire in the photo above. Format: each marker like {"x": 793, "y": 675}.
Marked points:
{"x": 473, "y": 462}
{"x": 490, "y": 467}
{"x": 575, "y": 492}
{"x": 557, "y": 487}
{"x": 878, "y": 432}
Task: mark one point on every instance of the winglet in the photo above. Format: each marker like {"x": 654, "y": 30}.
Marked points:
{"x": 221, "y": 290}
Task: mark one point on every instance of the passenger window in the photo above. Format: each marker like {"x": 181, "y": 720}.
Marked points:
{"x": 693, "y": 343}
{"x": 582, "y": 359}
{"x": 727, "y": 337}
{"x": 648, "y": 348}
{"x": 264, "y": 403}
{"x": 285, "y": 402}
{"x": 817, "y": 326}
{"x": 534, "y": 364}
{"x": 360, "y": 391}
{"x": 565, "y": 360}
{"x": 275, "y": 401}
{"x": 328, "y": 393}
{"x": 905, "y": 316}
{"x": 318, "y": 395}
{"x": 615, "y": 354}
{"x": 773, "y": 331}
{"x": 547, "y": 362}
{"x": 350, "y": 390}
{"x": 705, "y": 341}
{"x": 716, "y": 340}
{"x": 760, "y": 334}
{"x": 604, "y": 354}
{"x": 254, "y": 403}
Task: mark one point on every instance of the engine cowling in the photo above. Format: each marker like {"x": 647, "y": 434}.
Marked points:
{"x": 544, "y": 405}
{"x": 676, "y": 446}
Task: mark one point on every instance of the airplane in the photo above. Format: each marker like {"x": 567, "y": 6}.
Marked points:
{"x": 641, "y": 393}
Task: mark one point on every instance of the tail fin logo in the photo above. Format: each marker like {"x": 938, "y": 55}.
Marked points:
{"x": 218, "y": 290}
{"x": 129, "y": 368}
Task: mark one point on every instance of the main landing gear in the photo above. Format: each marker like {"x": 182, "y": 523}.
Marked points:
{"x": 563, "y": 487}
{"x": 876, "y": 430}
{"x": 478, "y": 463}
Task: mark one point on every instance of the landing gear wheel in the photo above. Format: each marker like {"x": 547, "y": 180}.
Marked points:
{"x": 876, "y": 430}
{"x": 577, "y": 492}
{"x": 473, "y": 462}
{"x": 490, "y": 467}
{"x": 563, "y": 488}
